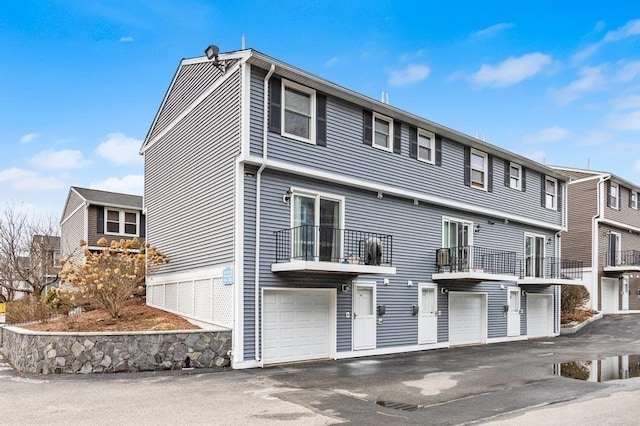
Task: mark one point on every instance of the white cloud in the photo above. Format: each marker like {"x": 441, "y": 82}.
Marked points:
{"x": 61, "y": 159}
{"x": 599, "y": 26}
{"x": 127, "y": 39}
{"x": 510, "y": 71}
{"x": 129, "y": 184}
{"x": 26, "y": 180}
{"x": 29, "y": 137}
{"x": 630, "y": 29}
{"x": 628, "y": 102}
{"x": 494, "y": 29}
{"x": 549, "y": 134}
{"x": 409, "y": 75}
{"x": 628, "y": 72}
{"x": 627, "y": 121}
{"x": 591, "y": 79}
{"x": 331, "y": 62}
{"x": 539, "y": 156}
{"x": 596, "y": 137}
{"x": 120, "y": 149}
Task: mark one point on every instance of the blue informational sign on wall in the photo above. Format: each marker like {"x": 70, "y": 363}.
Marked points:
{"x": 227, "y": 276}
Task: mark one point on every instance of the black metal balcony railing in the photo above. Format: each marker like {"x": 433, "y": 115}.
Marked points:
{"x": 473, "y": 258}
{"x": 326, "y": 244}
{"x": 624, "y": 258}
{"x": 550, "y": 268}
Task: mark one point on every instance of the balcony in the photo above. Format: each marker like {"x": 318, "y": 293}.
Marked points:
{"x": 320, "y": 249}
{"x": 474, "y": 264}
{"x": 623, "y": 261}
{"x": 550, "y": 271}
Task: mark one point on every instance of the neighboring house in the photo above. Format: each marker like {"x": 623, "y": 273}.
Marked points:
{"x": 604, "y": 232}
{"x": 319, "y": 223}
{"x": 90, "y": 215}
{"x": 41, "y": 265}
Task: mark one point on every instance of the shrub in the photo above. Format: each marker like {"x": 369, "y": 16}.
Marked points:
{"x": 110, "y": 277}
{"x": 27, "y": 309}
{"x": 573, "y": 297}
{"x": 58, "y": 301}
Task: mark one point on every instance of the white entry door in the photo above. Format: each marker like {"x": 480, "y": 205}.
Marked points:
{"x": 364, "y": 316}
{"x": 539, "y": 315}
{"x": 427, "y": 314}
{"x": 624, "y": 293}
{"x": 609, "y": 293}
{"x": 513, "y": 313}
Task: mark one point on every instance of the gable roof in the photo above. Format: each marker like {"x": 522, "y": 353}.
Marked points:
{"x": 285, "y": 70}
{"x": 106, "y": 198}
{"x": 612, "y": 176}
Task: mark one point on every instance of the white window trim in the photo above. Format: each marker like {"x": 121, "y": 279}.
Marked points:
{"x": 618, "y": 246}
{"x": 432, "y": 137}
{"x": 313, "y": 118}
{"x": 485, "y": 171}
{"x": 373, "y": 131}
{"x": 617, "y": 187}
{"x": 519, "y": 167}
{"x": 319, "y": 195}
{"x": 121, "y": 221}
{"x": 555, "y": 194}
{"x": 634, "y": 201}
{"x": 462, "y": 221}
{"x": 532, "y": 235}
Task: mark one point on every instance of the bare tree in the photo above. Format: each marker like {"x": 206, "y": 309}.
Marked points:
{"x": 29, "y": 253}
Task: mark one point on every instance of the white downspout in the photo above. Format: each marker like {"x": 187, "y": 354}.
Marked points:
{"x": 256, "y": 284}
{"x": 595, "y": 225}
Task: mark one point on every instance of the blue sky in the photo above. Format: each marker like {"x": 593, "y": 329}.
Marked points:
{"x": 81, "y": 81}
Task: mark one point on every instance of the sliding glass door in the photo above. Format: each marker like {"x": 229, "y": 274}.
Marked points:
{"x": 316, "y": 233}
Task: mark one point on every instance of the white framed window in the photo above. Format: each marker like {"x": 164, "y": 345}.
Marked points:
{"x": 317, "y": 222}
{"x": 551, "y": 193}
{"x": 457, "y": 242}
{"x": 382, "y": 132}
{"x": 613, "y": 249}
{"x": 426, "y": 146}
{"x": 534, "y": 253}
{"x": 478, "y": 164}
{"x": 298, "y": 112}
{"x": 121, "y": 222}
{"x": 633, "y": 200}
{"x": 515, "y": 176}
{"x": 614, "y": 195}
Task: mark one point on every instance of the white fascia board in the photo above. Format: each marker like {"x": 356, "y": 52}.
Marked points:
{"x": 217, "y": 83}
{"x": 71, "y": 214}
{"x": 398, "y": 192}
{"x": 620, "y": 225}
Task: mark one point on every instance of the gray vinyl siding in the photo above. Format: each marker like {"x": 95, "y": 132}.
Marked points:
{"x": 624, "y": 214}
{"x": 73, "y": 202}
{"x": 583, "y": 206}
{"x": 92, "y": 227}
{"x": 347, "y": 155}
{"x": 71, "y": 233}
{"x": 189, "y": 83}
{"x": 249, "y": 264}
{"x": 417, "y": 233}
{"x": 190, "y": 183}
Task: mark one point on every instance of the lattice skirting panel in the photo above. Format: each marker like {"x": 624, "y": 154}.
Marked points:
{"x": 205, "y": 299}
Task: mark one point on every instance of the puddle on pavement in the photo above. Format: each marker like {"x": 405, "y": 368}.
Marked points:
{"x": 601, "y": 370}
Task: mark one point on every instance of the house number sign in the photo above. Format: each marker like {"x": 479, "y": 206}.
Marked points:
{"x": 227, "y": 276}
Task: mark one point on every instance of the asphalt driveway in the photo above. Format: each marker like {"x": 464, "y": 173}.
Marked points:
{"x": 514, "y": 383}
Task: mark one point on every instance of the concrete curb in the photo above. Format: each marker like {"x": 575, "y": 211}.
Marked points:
{"x": 575, "y": 328}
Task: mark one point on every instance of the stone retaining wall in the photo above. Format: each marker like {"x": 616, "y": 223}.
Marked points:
{"x": 51, "y": 353}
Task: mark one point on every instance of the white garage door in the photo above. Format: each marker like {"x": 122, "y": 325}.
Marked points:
{"x": 539, "y": 315}
{"x": 466, "y": 318}
{"x": 296, "y": 325}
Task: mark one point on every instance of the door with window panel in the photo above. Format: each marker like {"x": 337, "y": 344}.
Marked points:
{"x": 316, "y": 229}
{"x": 457, "y": 239}
{"x": 534, "y": 256}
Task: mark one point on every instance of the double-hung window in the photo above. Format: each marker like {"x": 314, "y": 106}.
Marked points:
{"x": 382, "y": 132}
{"x": 298, "y": 112}
{"x": 478, "y": 165}
{"x": 614, "y": 195}
{"x": 515, "y": 176}
{"x": 426, "y": 146}
{"x": 121, "y": 222}
{"x": 633, "y": 200}
{"x": 551, "y": 193}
